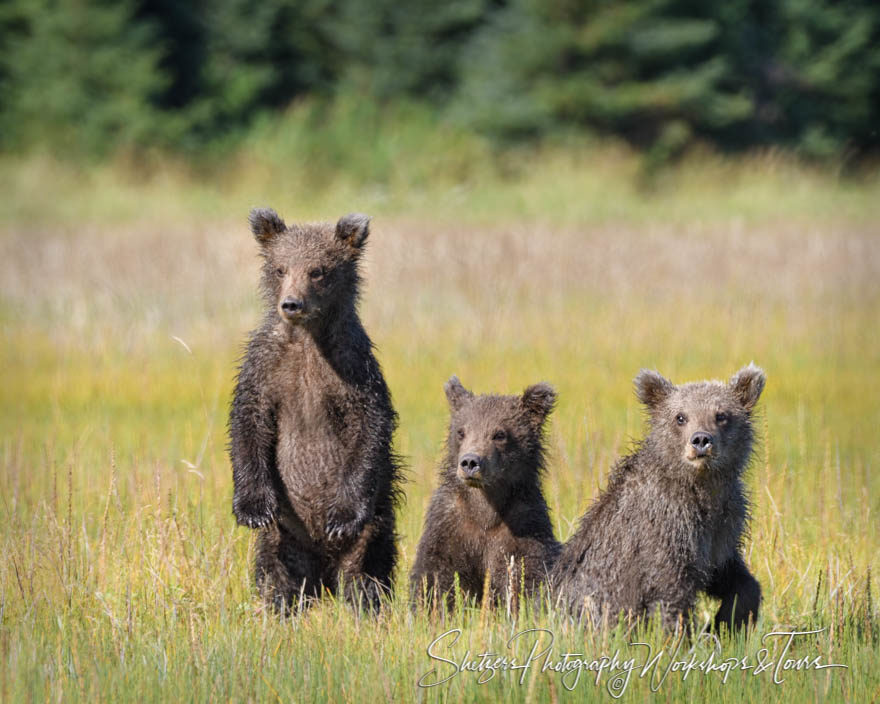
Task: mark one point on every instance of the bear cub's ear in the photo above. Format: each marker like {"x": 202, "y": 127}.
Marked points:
{"x": 353, "y": 229}
{"x": 539, "y": 400}
{"x": 747, "y": 385}
{"x": 652, "y": 388}
{"x": 456, "y": 394}
{"x": 265, "y": 224}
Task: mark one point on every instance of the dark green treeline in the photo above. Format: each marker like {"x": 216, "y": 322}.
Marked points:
{"x": 91, "y": 76}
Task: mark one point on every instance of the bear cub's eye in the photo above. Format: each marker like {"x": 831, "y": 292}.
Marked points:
{"x": 680, "y": 419}
{"x": 317, "y": 273}
{"x": 499, "y": 436}
{"x": 721, "y": 418}
{"x": 279, "y": 272}
{"x": 460, "y": 433}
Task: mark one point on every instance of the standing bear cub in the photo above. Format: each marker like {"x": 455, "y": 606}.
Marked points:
{"x": 311, "y": 423}
{"x": 488, "y": 521}
{"x": 670, "y": 522}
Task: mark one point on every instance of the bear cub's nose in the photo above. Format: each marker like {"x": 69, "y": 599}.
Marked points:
{"x": 702, "y": 442}
{"x": 470, "y": 464}
{"x": 291, "y": 305}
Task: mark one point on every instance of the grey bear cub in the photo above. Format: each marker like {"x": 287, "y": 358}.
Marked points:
{"x": 670, "y": 522}
{"x": 488, "y": 514}
{"x": 311, "y": 422}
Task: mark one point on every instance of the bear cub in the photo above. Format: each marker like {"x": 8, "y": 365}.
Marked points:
{"x": 488, "y": 515}
{"x": 670, "y": 522}
{"x": 311, "y": 423}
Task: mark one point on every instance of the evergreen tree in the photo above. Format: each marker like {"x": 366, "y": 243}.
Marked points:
{"x": 91, "y": 75}
{"x": 77, "y": 76}
{"x": 410, "y": 48}
{"x": 816, "y": 81}
{"x": 230, "y": 60}
{"x": 803, "y": 73}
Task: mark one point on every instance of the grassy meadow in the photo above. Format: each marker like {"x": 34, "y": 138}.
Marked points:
{"x": 126, "y": 292}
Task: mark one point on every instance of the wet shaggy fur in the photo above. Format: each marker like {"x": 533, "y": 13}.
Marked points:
{"x": 311, "y": 422}
{"x": 488, "y": 514}
{"x": 670, "y": 522}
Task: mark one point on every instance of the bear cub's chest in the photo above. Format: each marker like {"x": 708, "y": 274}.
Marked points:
{"x": 313, "y": 415}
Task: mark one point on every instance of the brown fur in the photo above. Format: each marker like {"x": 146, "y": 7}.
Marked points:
{"x": 312, "y": 421}
{"x": 670, "y": 522}
{"x": 488, "y": 516}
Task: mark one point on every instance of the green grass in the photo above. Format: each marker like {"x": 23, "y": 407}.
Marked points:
{"x": 125, "y": 577}
{"x": 400, "y": 160}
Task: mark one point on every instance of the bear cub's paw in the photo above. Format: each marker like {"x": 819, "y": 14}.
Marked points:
{"x": 256, "y": 510}
{"x": 344, "y": 524}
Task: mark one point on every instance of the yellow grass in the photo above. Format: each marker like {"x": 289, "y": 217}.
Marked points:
{"x": 125, "y": 577}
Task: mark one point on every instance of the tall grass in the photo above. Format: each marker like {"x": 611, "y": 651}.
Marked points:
{"x": 124, "y": 303}
{"x": 399, "y": 159}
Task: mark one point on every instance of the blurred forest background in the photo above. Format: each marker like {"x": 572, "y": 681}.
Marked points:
{"x": 88, "y": 78}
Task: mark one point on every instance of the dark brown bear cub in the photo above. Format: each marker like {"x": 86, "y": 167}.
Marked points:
{"x": 311, "y": 422}
{"x": 670, "y": 522}
{"x": 488, "y": 515}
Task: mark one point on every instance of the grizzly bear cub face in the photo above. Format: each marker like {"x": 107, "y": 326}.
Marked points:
{"x": 704, "y": 426}
{"x": 495, "y": 442}
{"x": 309, "y": 271}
